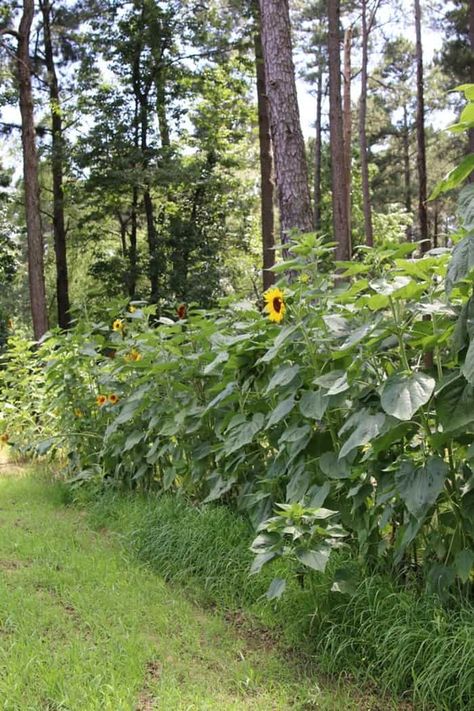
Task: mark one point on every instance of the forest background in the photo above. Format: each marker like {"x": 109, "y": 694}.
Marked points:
{"x": 148, "y": 133}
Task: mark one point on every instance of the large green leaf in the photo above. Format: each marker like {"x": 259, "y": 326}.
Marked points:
{"x": 276, "y": 589}
{"x": 243, "y": 434}
{"x": 464, "y": 563}
{"x": 462, "y": 262}
{"x": 468, "y": 365}
{"x": 402, "y": 395}
{"x": 420, "y": 487}
{"x": 455, "y": 403}
{"x": 284, "y": 375}
{"x": 466, "y": 206}
{"x": 281, "y": 411}
{"x": 316, "y": 559}
{"x": 313, "y": 404}
{"x": 455, "y": 177}
{"x": 369, "y": 427}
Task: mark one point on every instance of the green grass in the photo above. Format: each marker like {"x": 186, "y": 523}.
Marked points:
{"x": 85, "y": 627}
{"x": 404, "y": 642}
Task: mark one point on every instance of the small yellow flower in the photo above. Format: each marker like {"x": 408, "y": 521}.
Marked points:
{"x": 118, "y": 325}
{"x": 101, "y": 400}
{"x": 78, "y": 412}
{"x": 304, "y": 278}
{"x": 134, "y": 355}
{"x": 113, "y": 399}
{"x": 4, "y": 437}
{"x": 274, "y": 304}
{"x": 131, "y": 309}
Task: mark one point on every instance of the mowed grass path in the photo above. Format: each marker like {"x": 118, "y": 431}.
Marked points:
{"x": 85, "y": 627}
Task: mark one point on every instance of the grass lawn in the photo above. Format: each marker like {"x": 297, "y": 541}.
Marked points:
{"x": 83, "y": 626}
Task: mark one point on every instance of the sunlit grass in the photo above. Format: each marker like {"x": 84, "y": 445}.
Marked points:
{"x": 84, "y": 627}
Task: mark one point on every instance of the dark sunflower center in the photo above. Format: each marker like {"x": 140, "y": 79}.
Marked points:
{"x": 277, "y": 304}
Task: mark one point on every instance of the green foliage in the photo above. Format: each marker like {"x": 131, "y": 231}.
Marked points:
{"x": 377, "y": 630}
{"x": 358, "y": 403}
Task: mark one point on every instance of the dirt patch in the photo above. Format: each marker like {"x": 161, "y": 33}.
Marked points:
{"x": 11, "y": 565}
{"x": 257, "y": 637}
{"x": 146, "y": 700}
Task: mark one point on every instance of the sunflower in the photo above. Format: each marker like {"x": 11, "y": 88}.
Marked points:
{"x": 132, "y": 309}
{"x": 134, "y": 355}
{"x": 4, "y": 438}
{"x": 118, "y": 325}
{"x": 78, "y": 412}
{"x": 101, "y": 400}
{"x": 181, "y": 311}
{"x": 274, "y": 304}
{"x": 113, "y": 399}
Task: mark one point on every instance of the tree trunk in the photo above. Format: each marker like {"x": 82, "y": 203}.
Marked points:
{"x": 287, "y": 138}
{"x": 338, "y": 173}
{"x": 266, "y": 167}
{"x": 364, "y": 158}
{"x": 163, "y": 124}
{"x": 132, "y": 254}
{"x": 406, "y": 160}
{"x": 317, "y": 153}
{"x": 420, "y": 135}
{"x": 57, "y": 166}
{"x": 347, "y": 122}
{"x": 141, "y": 95}
{"x": 30, "y": 173}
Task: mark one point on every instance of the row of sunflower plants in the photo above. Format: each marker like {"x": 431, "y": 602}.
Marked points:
{"x": 342, "y": 416}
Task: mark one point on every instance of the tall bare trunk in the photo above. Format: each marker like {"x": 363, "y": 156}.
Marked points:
{"x": 318, "y": 153}
{"x": 347, "y": 121}
{"x": 364, "y": 158}
{"x": 338, "y": 173}
{"x": 30, "y": 173}
{"x": 266, "y": 167}
{"x": 287, "y": 138}
{"x": 57, "y": 168}
{"x": 420, "y": 134}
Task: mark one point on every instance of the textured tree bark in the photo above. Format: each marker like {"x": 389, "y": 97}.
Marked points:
{"x": 57, "y": 168}
{"x": 287, "y": 138}
{"x": 338, "y": 173}
{"x": 364, "y": 158}
{"x": 406, "y": 160}
{"x": 141, "y": 95}
{"x": 266, "y": 166}
{"x": 317, "y": 153}
{"x": 347, "y": 121}
{"x": 420, "y": 135}
{"x": 30, "y": 173}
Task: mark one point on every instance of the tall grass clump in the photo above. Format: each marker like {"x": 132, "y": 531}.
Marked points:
{"x": 408, "y": 645}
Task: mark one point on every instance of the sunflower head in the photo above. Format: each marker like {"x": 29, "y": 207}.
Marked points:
{"x": 78, "y": 412}
{"x": 113, "y": 399}
{"x": 132, "y": 309}
{"x": 101, "y": 400}
{"x": 135, "y": 355}
{"x": 4, "y": 437}
{"x": 275, "y": 304}
{"x": 181, "y": 311}
{"x": 118, "y": 325}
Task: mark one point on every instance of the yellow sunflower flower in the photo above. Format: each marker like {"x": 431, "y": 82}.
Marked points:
{"x": 118, "y": 325}
{"x": 4, "y": 438}
{"x": 134, "y": 355}
{"x": 113, "y": 399}
{"x": 101, "y": 400}
{"x": 131, "y": 309}
{"x": 78, "y": 412}
{"x": 275, "y": 304}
